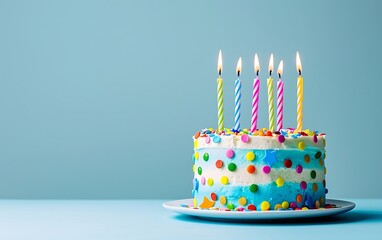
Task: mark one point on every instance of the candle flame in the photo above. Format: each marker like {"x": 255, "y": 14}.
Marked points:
{"x": 257, "y": 65}
{"x": 298, "y": 63}
{"x": 220, "y": 63}
{"x": 280, "y": 69}
{"x": 270, "y": 67}
{"x": 238, "y": 67}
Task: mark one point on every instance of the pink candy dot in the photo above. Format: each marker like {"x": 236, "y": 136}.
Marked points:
{"x": 203, "y": 180}
{"x": 299, "y": 169}
{"x": 229, "y": 153}
{"x": 293, "y": 205}
{"x": 266, "y": 169}
{"x": 281, "y": 138}
{"x": 208, "y": 139}
{"x": 303, "y": 185}
{"x": 245, "y": 138}
{"x": 315, "y": 138}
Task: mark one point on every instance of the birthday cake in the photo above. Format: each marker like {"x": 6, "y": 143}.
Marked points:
{"x": 263, "y": 170}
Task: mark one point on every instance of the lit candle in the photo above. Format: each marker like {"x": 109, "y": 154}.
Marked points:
{"x": 220, "y": 94}
{"x": 300, "y": 93}
{"x": 271, "y": 114}
{"x": 255, "y": 95}
{"x": 280, "y": 97}
{"x": 237, "y": 97}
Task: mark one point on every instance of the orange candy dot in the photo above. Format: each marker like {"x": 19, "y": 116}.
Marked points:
{"x": 251, "y": 169}
{"x": 269, "y": 133}
{"x": 299, "y": 198}
{"x": 197, "y": 134}
{"x": 307, "y": 158}
{"x": 315, "y": 187}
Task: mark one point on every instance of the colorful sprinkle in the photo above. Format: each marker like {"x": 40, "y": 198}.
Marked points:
{"x": 230, "y": 153}
{"x": 251, "y": 207}
{"x": 219, "y": 163}
{"x": 230, "y": 206}
{"x": 293, "y": 205}
{"x": 278, "y": 206}
{"x": 232, "y": 167}
{"x": 250, "y": 156}
{"x": 251, "y": 169}
{"x": 266, "y": 169}
{"x": 214, "y": 197}
{"x": 285, "y": 205}
{"x": 281, "y": 138}
{"x": 253, "y": 188}
{"x": 245, "y": 138}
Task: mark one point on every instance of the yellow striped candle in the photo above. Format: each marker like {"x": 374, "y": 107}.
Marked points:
{"x": 220, "y": 94}
{"x": 271, "y": 114}
{"x": 300, "y": 93}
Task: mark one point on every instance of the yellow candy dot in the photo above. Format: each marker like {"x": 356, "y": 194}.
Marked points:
{"x": 285, "y": 205}
{"x": 224, "y": 180}
{"x": 304, "y": 208}
{"x": 242, "y": 201}
{"x": 250, "y": 156}
{"x": 324, "y": 142}
{"x": 325, "y": 170}
{"x": 265, "y": 206}
{"x": 301, "y": 145}
{"x": 223, "y": 200}
{"x": 196, "y": 155}
{"x": 194, "y": 168}
{"x": 280, "y": 182}
{"x": 196, "y": 144}
{"x": 210, "y": 182}
{"x": 195, "y": 203}
{"x": 317, "y": 204}
{"x": 322, "y": 200}
{"x": 278, "y": 206}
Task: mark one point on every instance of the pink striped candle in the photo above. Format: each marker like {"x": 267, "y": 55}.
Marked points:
{"x": 255, "y": 96}
{"x": 280, "y": 97}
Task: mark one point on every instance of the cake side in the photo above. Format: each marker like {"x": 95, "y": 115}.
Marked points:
{"x": 240, "y": 171}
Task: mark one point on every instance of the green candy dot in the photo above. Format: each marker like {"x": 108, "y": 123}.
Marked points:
{"x": 232, "y": 167}
{"x": 206, "y": 157}
{"x": 253, "y": 188}
{"x": 230, "y": 206}
{"x": 313, "y": 174}
{"x": 200, "y": 170}
{"x": 317, "y": 155}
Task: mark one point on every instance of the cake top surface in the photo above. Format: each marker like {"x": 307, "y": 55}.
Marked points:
{"x": 260, "y": 139}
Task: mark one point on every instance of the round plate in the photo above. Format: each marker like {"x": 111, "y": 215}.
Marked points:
{"x": 176, "y": 206}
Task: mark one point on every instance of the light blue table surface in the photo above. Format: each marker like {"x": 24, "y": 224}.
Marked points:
{"x": 147, "y": 219}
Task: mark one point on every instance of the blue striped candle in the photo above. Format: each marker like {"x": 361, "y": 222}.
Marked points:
{"x": 237, "y": 97}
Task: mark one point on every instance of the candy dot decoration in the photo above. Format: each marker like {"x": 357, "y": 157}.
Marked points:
{"x": 242, "y": 201}
{"x": 266, "y": 169}
{"x": 251, "y": 169}
{"x": 288, "y": 163}
{"x": 279, "y": 182}
{"x": 250, "y": 156}
{"x": 253, "y": 188}
{"x": 223, "y": 200}
{"x": 200, "y": 170}
{"x": 303, "y": 185}
{"x": 230, "y": 153}
{"x": 232, "y": 167}
{"x": 206, "y": 156}
{"x": 265, "y": 206}
{"x": 219, "y": 163}
{"x": 224, "y": 180}
{"x": 245, "y": 138}
{"x": 210, "y": 182}
{"x": 299, "y": 169}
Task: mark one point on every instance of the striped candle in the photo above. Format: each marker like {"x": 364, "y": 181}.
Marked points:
{"x": 237, "y": 97}
{"x": 271, "y": 116}
{"x": 255, "y": 96}
{"x": 280, "y": 97}
{"x": 220, "y": 94}
{"x": 300, "y": 93}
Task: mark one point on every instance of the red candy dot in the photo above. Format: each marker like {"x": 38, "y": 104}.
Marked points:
{"x": 251, "y": 207}
{"x": 266, "y": 169}
{"x": 214, "y": 196}
{"x": 251, "y": 169}
{"x": 219, "y": 163}
{"x": 288, "y": 163}
{"x": 229, "y": 153}
{"x": 281, "y": 138}
{"x": 299, "y": 169}
{"x": 268, "y": 133}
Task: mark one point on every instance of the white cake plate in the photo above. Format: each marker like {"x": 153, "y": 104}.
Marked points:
{"x": 178, "y": 207}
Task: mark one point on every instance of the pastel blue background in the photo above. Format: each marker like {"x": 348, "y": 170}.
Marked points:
{"x": 99, "y": 99}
